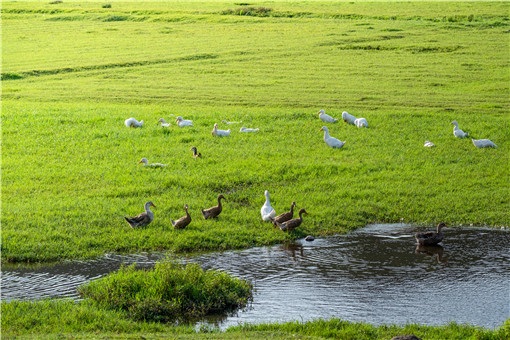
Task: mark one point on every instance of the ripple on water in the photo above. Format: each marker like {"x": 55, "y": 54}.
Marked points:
{"x": 376, "y": 274}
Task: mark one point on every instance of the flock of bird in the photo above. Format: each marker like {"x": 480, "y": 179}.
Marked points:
{"x": 284, "y": 221}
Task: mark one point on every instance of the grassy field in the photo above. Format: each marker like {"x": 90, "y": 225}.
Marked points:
{"x": 72, "y": 72}
{"x": 61, "y": 319}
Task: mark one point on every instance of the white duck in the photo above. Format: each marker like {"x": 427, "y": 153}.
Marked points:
{"x": 348, "y": 118}
{"x": 267, "y": 212}
{"x": 458, "y": 132}
{"x": 243, "y": 129}
{"x": 219, "y": 133}
{"x": 429, "y": 144}
{"x": 181, "y": 122}
{"x": 163, "y": 122}
{"x": 131, "y": 122}
{"x": 228, "y": 123}
{"x": 483, "y": 143}
{"x": 326, "y": 118}
{"x": 361, "y": 122}
{"x": 153, "y": 165}
{"x": 331, "y": 141}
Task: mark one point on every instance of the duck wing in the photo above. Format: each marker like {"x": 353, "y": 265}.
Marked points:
{"x": 139, "y": 221}
{"x": 211, "y": 212}
{"x": 290, "y": 225}
{"x": 182, "y": 222}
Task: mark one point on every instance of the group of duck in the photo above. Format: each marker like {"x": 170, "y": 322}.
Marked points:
{"x": 284, "y": 221}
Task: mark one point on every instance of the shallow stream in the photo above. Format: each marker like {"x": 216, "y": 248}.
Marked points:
{"x": 376, "y": 274}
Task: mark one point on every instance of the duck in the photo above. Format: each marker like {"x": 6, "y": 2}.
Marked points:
{"x": 326, "y": 118}
{"x": 285, "y": 216}
{"x": 243, "y": 129}
{"x": 458, "y": 132}
{"x": 213, "y": 212}
{"x": 361, "y": 122}
{"x": 132, "y": 122}
{"x": 267, "y": 212}
{"x": 219, "y": 133}
{"x": 181, "y": 122}
{"x": 142, "y": 219}
{"x": 145, "y": 162}
{"x": 163, "y": 123}
{"x": 483, "y": 143}
{"x": 331, "y": 141}
{"x": 430, "y": 238}
{"x": 348, "y": 118}
{"x": 294, "y": 223}
{"x": 182, "y": 222}
{"x": 196, "y": 154}
{"x": 228, "y": 123}
{"x": 429, "y": 144}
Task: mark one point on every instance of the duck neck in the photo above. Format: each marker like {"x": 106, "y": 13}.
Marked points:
{"x": 439, "y": 227}
{"x": 301, "y": 215}
{"x": 219, "y": 201}
{"x": 292, "y": 208}
{"x": 326, "y": 134}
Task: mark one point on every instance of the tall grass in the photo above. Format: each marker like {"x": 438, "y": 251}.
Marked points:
{"x": 168, "y": 292}
{"x": 69, "y": 166}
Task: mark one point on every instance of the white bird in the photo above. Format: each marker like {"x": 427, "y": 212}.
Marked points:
{"x": 331, "y": 141}
{"x": 131, "y": 122}
{"x": 326, "y": 118}
{"x": 361, "y": 122}
{"x": 153, "y": 165}
{"x": 483, "y": 143}
{"x": 267, "y": 212}
{"x": 243, "y": 129}
{"x": 458, "y": 132}
{"x": 348, "y": 118}
{"x": 219, "y": 133}
{"x": 183, "y": 122}
{"x": 228, "y": 123}
{"x": 429, "y": 144}
{"x": 163, "y": 122}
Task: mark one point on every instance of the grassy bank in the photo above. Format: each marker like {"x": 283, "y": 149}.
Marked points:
{"x": 73, "y": 72}
{"x": 52, "y": 319}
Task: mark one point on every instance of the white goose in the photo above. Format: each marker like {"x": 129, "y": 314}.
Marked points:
{"x": 153, "y": 165}
{"x": 361, "y": 122}
{"x": 331, "y": 141}
{"x": 131, "y": 122}
{"x": 458, "y": 132}
{"x": 163, "y": 122}
{"x": 348, "y": 118}
{"x": 326, "y": 118}
{"x": 228, "y": 123}
{"x": 243, "y": 129}
{"x": 181, "y": 122}
{"x": 267, "y": 212}
{"x": 219, "y": 133}
{"x": 429, "y": 144}
{"x": 484, "y": 143}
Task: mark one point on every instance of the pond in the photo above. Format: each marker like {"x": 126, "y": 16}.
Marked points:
{"x": 376, "y": 274}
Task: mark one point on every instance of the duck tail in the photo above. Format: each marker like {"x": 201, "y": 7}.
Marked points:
{"x": 173, "y": 222}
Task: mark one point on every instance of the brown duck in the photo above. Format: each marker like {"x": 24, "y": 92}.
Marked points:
{"x": 182, "y": 222}
{"x": 285, "y": 216}
{"x": 196, "y": 154}
{"x": 214, "y": 211}
{"x": 294, "y": 223}
{"x": 430, "y": 238}
{"x": 143, "y": 219}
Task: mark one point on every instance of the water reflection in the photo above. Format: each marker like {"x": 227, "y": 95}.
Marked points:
{"x": 376, "y": 275}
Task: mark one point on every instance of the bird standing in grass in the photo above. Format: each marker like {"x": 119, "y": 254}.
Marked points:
{"x": 326, "y": 118}
{"x": 267, "y": 211}
{"x": 219, "y": 133}
{"x": 142, "y": 219}
{"x": 483, "y": 143}
{"x": 182, "y": 222}
{"x": 285, "y": 216}
{"x": 458, "y": 132}
{"x": 131, "y": 122}
{"x": 181, "y": 122}
{"x": 294, "y": 223}
{"x": 213, "y": 212}
{"x": 196, "y": 154}
{"x": 145, "y": 162}
{"x": 163, "y": 123}
{"x": 331, "y": 141}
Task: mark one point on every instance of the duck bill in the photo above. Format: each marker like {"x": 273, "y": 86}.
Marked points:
{"x": 321, "y": 129}
{"x": 152, "y": 204}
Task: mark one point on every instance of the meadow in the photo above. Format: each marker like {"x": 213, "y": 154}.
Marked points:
{"x": 72, "y": 72}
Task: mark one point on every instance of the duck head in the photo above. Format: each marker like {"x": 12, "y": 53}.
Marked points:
{"x": 144, "y": 161}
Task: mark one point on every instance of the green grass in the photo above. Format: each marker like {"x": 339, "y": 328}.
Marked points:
{"x": 168, "y": 292}
{"x": 72, "y": 72}
{"x": 61, "y": 319}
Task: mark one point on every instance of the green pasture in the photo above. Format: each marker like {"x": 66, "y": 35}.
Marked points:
{"x": 72, "y": 72}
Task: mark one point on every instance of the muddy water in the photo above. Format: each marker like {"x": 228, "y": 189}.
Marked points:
{"x": 376, "y": 274}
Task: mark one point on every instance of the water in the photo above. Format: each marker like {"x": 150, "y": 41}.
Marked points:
{"x": 376, "y": 274}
